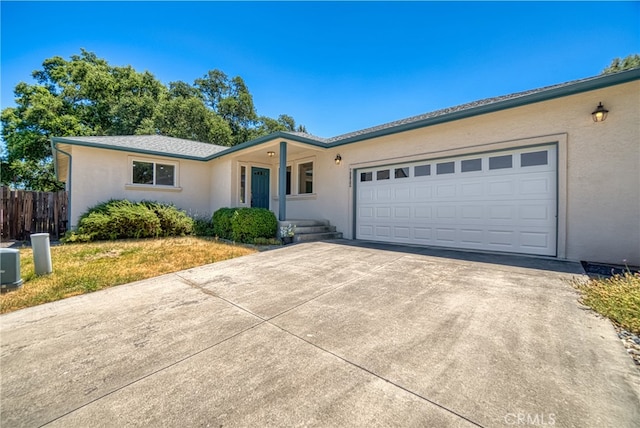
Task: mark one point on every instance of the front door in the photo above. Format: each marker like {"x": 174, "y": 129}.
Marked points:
{"x": 260, "y": 187}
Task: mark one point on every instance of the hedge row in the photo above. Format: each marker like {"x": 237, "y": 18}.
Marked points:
{"x": 244, "y": 224}
{"x": 122, "y": 219}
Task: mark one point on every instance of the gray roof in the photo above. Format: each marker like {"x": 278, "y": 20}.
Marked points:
{"x": 176, "y": 147}
{"x": 151, "y": 144}
{"x": 449, "y": 110}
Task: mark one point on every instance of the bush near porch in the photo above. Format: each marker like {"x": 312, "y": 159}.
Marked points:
{"x": 245, "y": 225}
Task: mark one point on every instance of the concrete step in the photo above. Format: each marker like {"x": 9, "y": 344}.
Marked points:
{"x": 310, "y": 237}
{"x": 303, "y": 223}
{"x": 300, "y": 230}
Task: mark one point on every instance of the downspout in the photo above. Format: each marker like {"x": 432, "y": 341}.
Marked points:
{"x": 282, "y": 183}
{"x": 55, "y": 171}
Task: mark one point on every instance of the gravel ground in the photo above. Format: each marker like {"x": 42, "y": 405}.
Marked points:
{"x": 631, "y": 343}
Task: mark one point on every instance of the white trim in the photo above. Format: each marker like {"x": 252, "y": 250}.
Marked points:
{"x": 247, "y": 184}
{"x": 301, "y": 197}
{"x": 149, "y": 187}
{"x": 137, "y": 186}
{"x": 295, "y": 188}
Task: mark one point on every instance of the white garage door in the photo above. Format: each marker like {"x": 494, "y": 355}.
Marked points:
{"x": 499, "y": 201}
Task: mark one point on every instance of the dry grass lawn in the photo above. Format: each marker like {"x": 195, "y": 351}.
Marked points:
{"x": 617, "y": 298}
{"x": 83, "y": 268}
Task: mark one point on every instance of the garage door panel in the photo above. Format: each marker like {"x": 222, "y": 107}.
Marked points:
{"x": 422, "y": 233}
{"x": 422, "y": 193}
{"x": 470, "y": 190}
{"x": 383, "y": 231}
{"x": 472, "y": 212}
{"x": 422, "y": 212}
{"x": 508, "y": 208}
{"x": 535, "y": 186}
{"x": 365, "y": 195}
{"x": 500, "y": 188}
{"x": 383, "y": 212}
{"x": 402, "y": 232}
{"x": 365, "y": 212}
{"x": 472, "y": 236}
{"x": 365, "y": 231}
{"x": 402, "y": 212}
{"x": 445, "y": 212}
{"x": 402, "y": 194}
{"x": 534, "y": 240}
{"x": 383, "y": 194}
{"x": 501, "y": 212}
{"x": 446, "y": 235}
{"x": 539, "y": 211}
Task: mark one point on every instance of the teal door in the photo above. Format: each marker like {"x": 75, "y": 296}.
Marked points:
{"x": 260, "y": 187}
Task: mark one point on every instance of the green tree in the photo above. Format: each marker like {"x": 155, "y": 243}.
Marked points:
{"x": 626, "y": 63}
{"x": 86, "y": 96}
{"x": 267, "y": 125}
{"x": 183, "y": 114}
{"x": 230, "y": 98}
{"x": 82, "y": 96}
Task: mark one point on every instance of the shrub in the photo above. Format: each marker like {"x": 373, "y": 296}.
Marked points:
{"x": 222, "y": 222}
{"x": 173, "y": 222}
{"x": 71, "y": 236}
{"x": 244, "y": 224}
{"x": 247, "y": 224}
{"x": 203, "y": 227}
{"x": 121, "y": 219}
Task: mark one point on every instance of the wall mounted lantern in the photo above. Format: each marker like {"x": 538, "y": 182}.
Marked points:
{"x": 600, "y": 113}
{"x": 271, "y": 154}
{"x": 338, "y": 159}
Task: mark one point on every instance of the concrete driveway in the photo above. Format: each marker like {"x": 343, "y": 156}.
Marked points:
{"x": 324, "y": 334}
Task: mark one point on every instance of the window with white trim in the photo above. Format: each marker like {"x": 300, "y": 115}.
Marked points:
{"x": 147, "y": 172}
{"x": 243, "y": 184}
{"x": 305, "y": 178}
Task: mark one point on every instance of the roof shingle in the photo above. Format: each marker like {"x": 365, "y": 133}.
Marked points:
{"x": 152, "y": 144}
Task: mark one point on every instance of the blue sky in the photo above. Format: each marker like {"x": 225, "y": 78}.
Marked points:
{"x": 335, "y": 67}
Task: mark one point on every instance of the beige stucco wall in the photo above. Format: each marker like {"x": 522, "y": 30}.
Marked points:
{"x": 99, "y": 175}
{"x": 598, "y": 170}
{"x": 599, "y": 164}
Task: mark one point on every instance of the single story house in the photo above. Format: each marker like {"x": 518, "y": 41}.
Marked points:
{"x": 544, "y": 172}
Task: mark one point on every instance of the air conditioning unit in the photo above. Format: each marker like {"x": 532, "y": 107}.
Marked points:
{"x": 9, "y": 269}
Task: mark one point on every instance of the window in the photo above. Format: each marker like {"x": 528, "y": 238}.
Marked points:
{"x": 154, "y": 174}
{"x": 243, "y": 184}
{"x": 534, "y": 158}
{"x": 382, "y": 175}
{"x": 445, "y": 168}
{"x": 500, "y": 162}
{"x": 305, "y": 178}
{"x": 366, "y": 176}
{"x": 422, "y": 170}
{"x": 402, "y": 172}
{"x": 288, "y": 182}
{"x": 471, "y": 165}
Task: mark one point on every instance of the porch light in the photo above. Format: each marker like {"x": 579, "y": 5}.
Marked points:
{"x": 271, "y": 154}
{"x": 338, "y": 159}
{"x": 599, "y": 114}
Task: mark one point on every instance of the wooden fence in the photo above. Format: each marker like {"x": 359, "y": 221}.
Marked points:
{"x": 25, "y": 212}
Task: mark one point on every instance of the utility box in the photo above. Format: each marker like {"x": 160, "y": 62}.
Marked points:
{"x": 41, "y": 253}
{"x": 9, "y": 269}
